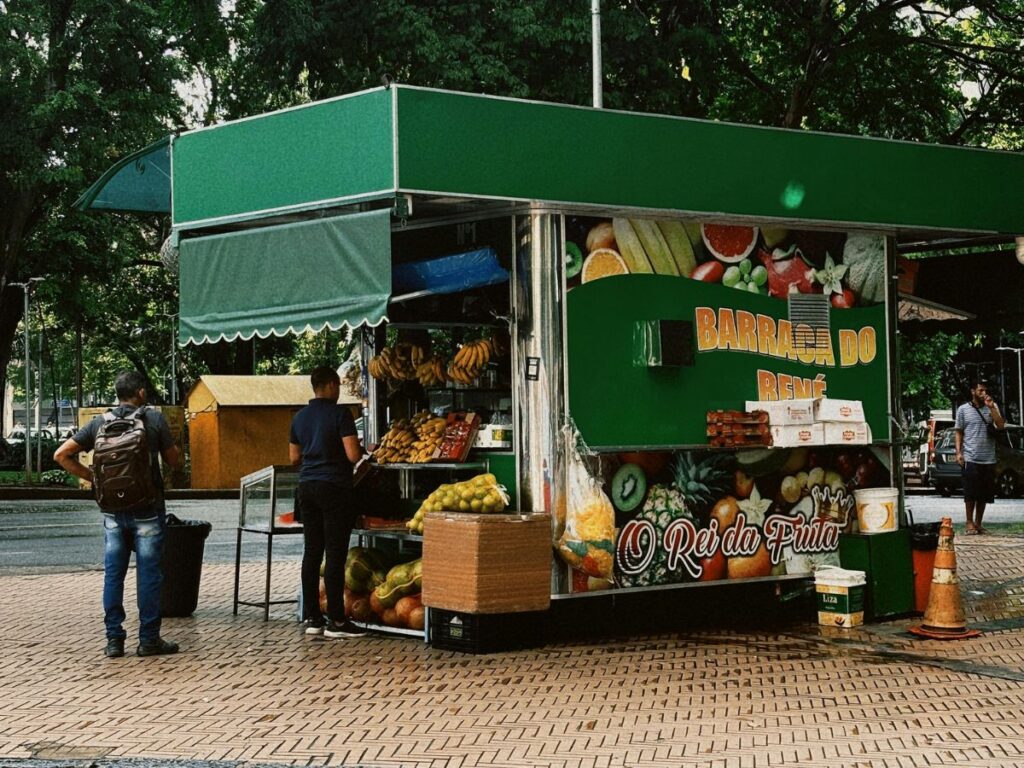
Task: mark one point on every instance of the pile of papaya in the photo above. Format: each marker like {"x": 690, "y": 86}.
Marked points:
{"x": 378, "y": 591}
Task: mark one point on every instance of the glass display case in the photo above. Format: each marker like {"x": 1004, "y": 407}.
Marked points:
{"x": 267, "y": 499}
{"x": 266, "y": 508}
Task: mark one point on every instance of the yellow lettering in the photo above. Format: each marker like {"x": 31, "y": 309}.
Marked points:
{"x": 747, "y": 340}
{"x": 785, "y": 348}
{"x": 868, "y": 346}
{"x": 785, "y": 386}
{"x": 726, "y": 329}
{"x": 766, "y": 385}
{"x": 825, "y": 355}
{"x": 707, "y": 335}
{"x": 820, "y": 385}
{"x": 802, "y": 388}
{"x": 804, "y": 341}
{"x": 766, "y": 344}
{"x": 847, "y": 347}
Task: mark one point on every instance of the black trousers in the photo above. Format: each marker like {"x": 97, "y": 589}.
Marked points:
{"x": 327, "y": 520}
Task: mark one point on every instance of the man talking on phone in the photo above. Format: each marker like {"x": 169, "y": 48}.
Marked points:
{"x": 976, "y": 428}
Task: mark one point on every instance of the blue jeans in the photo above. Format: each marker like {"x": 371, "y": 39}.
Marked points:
{"x": 123, "y": 533}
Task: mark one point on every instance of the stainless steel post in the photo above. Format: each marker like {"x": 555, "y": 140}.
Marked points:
{"x": 39, "y": 404}
{"x": 1020, "y": 391}
{"x": 537, "y": 340}
{"x": 174, "y": 367}
{"x": 28, "y": 388}
{"x": 595, "y": 33}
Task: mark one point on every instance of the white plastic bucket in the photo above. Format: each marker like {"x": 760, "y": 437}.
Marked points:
{"x": 840, "y": 597}
{"x": 876, "y": 509}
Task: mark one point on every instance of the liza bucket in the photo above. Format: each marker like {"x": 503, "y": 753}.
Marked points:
{"x": 876, "y": 509}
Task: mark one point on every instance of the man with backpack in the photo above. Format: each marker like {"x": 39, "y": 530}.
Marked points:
{"x": 127, "y": 442}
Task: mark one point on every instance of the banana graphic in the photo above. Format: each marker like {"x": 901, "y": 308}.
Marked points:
{"x": 655, "y": 246}
{"x": 679, "y": 245}
{"x": 630, "y": 247}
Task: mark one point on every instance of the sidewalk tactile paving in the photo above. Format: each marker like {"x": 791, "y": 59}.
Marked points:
{"x": 247, "y": 690}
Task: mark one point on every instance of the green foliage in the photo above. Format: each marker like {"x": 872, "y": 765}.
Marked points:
{"x": 84, "y": 83}
{"x": 928, "y": 375}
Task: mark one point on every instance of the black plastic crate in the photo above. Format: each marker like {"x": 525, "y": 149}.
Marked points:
{"x": 486, "y": 632}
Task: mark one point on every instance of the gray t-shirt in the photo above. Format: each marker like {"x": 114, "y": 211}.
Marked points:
{"x": 158, "y": 437}
{"x": 978, "y": 447}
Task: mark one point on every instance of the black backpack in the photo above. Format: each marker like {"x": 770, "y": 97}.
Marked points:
{"x": 122, "y": 464}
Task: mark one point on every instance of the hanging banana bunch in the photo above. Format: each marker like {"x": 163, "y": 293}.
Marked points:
{"x": 470, "y": 361}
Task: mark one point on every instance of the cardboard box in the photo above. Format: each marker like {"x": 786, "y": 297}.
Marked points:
{"x": 841, "y": 433}
{"x": 784, "y": 412}
{"x": 487, "y": 563}
{"x": 845, "y": 411}
{"x": 494, "y": 436}
{"x": 795, "y": 435}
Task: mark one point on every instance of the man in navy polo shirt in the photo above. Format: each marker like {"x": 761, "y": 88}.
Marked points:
{"x": 325, "y": 445}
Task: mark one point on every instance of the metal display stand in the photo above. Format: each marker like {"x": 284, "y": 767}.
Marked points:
{"x": 280, "y": 480}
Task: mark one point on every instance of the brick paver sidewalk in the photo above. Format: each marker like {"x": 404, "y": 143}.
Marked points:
{"x": 247, "y": 690}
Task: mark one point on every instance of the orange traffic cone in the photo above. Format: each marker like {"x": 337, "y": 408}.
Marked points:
{"x": 944, "y": 617}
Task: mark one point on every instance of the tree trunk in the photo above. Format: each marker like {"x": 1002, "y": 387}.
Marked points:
{"x": 10, "y": 315}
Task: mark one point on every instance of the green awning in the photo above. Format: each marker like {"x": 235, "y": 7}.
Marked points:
{"x": 138, "y": 183}
{"x": 291, "y": 278}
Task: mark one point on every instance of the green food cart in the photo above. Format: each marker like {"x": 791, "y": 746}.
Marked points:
{"x": 652, "y": 271}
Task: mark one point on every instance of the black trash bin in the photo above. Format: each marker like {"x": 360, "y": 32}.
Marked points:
{"x": 182, "y": 565}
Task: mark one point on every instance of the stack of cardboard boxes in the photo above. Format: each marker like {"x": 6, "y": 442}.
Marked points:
{"x": 818, "y": 421}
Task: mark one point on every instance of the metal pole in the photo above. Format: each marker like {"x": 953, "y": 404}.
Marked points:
{"x": 1020, "y": 392}
{"x": 39, "y": 405}
{"x": 174, "y": 372}
{"x": 28, "y": 388}
{"x": 595, "y": 34}
{"x": 78, "y": 368}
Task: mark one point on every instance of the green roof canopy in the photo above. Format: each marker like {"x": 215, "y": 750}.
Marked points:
{"x": 291, "y": 278}
{"x": 140, "y": 183}
{"x": 443, "y": 146}
{"x": 379, "y": 143}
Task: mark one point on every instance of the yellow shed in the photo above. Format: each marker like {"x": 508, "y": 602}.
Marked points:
{"x": 238, "y": 424}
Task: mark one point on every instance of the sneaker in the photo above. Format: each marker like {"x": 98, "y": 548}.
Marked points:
{"x": 157, "y": 647}
{"x": 313, "y": 626}
{"x": 346, "y": 628}
{"x": 115, "y": 648}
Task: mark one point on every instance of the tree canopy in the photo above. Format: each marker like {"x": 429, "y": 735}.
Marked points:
{"x": 85, "y": 82}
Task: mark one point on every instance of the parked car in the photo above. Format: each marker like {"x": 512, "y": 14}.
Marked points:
{"x": 17, "y": 436}
{"x": 944, "y": 473}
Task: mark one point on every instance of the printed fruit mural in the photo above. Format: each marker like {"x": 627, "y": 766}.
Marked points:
{"x": 705, "y": 514}
{"x": 771, "y": 261}
{"x": 729, "y": 243}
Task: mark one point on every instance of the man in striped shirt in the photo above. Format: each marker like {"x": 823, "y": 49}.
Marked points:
{"x": 976, "y": 422}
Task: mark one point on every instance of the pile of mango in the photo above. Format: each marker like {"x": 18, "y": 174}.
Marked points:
{"x": 479, "y": 494}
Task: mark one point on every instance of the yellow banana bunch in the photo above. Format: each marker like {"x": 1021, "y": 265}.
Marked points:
{"x": 396, "y": 445}
{"x": 398, "y": 363}
{"x": 470, "y": 361}
{"x": 431, "y": 373}
{"x": 411, "y": 440}
{"x": 429, "y": 436}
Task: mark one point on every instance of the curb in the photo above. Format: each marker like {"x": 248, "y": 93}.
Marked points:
{"x": 26, "y": 493}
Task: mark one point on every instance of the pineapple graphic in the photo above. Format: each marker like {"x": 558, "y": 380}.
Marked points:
{"x": 697, "y": 483}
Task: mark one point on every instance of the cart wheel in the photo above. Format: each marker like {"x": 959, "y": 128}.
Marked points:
{"x": 945, "y": 491}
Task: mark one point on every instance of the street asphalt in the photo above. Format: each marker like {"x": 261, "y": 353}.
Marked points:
{"x": 48, "y": 536}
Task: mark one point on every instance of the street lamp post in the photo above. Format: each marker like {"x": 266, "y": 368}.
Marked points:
{"x": 26, "y": 288}
{"x": 1020, "y": 390}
